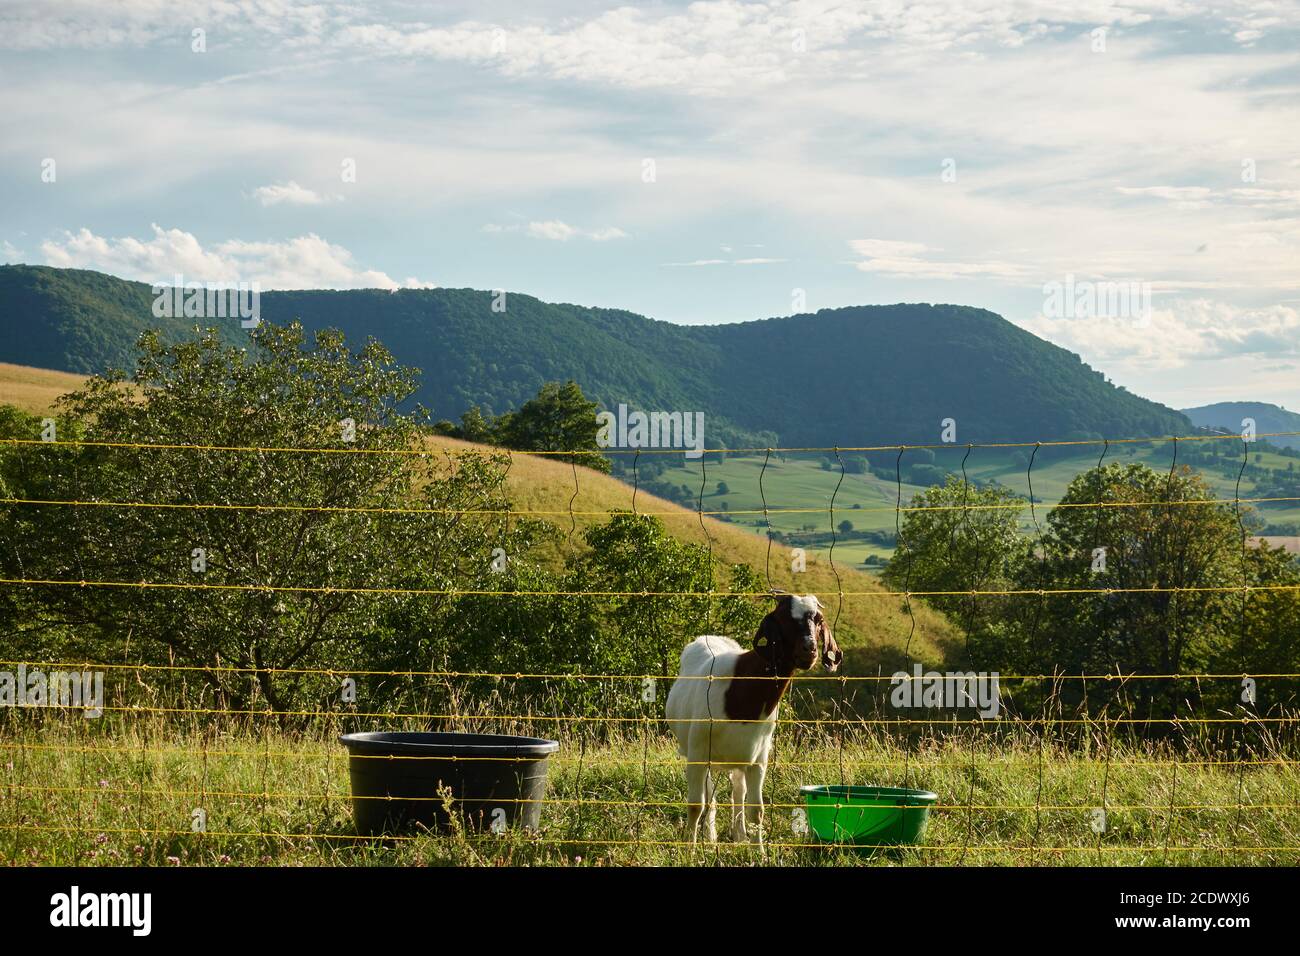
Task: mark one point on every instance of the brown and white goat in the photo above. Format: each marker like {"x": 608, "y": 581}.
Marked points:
{"x": 722, "y": 708}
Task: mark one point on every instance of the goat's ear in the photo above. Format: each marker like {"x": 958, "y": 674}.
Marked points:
{"x": 769, "y": 632}
{"x": 832, "y": 656}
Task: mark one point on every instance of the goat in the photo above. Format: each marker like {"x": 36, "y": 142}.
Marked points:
{"x": 722, "y": 708}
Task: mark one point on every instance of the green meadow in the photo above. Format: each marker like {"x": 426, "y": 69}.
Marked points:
{"x": 800, "y": 489}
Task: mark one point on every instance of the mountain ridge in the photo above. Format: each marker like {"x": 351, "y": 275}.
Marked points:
{"x": 1269, "y": 419}
{"x": 856, "y": 375}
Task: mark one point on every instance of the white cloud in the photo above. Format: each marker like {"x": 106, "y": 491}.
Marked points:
{"x": 552, "y": 229}
{"x": 557, "y": 230}
{"x": 1184, "y": 197}
{"x": 1082, "y": 167}
{"x": 1202, "y": 197}
{"x": 886, "y": 248}
{"x": 709, "y": 46}
{"x": 91, "y": 24}
{"x": 290, "y": 193}
{"x": 910, "y": 260}
{"x": 717, "y": 46}
{"x": 727, "y": 262}
{"x": 1178, "y": 332}
{"x": 305, "y": 262}
{"x": 10, "y": 253}
{"x": 1268, "y": 198}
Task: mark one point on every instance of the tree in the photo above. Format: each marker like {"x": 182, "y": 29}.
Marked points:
{"x": 476, "y": 427}
{"x": 1260, "y": 629}
{"x": 243, "y": 562}
{"x": 632, "y": 553}
{"x": 1153, "y": 535}
{"x": 958, "y": 538}
{"x": 926, "y": 475}
{"x": 846, "y": 526}
{"x": 559, "y": 418}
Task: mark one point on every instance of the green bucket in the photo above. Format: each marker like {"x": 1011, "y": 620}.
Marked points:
{"x": 868, "y": 817}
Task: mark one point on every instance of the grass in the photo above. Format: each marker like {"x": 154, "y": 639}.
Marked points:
{"x": 123, "y": 791}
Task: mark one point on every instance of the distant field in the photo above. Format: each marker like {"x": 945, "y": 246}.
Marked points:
{"x": 799, "y": 493}
{"x": 799, "y": 481}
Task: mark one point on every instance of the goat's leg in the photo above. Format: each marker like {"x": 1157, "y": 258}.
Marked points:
{"x": 710, "y": 805}
{"x": 696, "y": 783}
{"x": 738, "y": 805}
{"x": 755, "y": 774}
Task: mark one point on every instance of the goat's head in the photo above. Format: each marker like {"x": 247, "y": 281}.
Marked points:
{"x": 790, "y": 636}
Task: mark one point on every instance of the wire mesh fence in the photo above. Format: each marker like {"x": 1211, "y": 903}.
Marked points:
{"x": 169, "y": 772}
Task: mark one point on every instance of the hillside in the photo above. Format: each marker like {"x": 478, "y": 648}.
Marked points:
{"x": 34, "y": 389}
{"x": 873, "y": 629}
{"x": 72, "y": 320}
{"x": 1227, "y": 416}
{"x": 861, "y": 375}
{"x": 891, "y": 374}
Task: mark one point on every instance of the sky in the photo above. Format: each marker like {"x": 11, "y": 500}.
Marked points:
{"x": 709, "y": 162}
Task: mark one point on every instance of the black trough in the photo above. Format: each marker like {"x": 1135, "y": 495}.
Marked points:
{"x": 497, "y": 781}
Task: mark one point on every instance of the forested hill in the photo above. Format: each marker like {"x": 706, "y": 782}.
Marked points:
{"x": 893, "y": 373}
{"x": 860, "y": 375}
